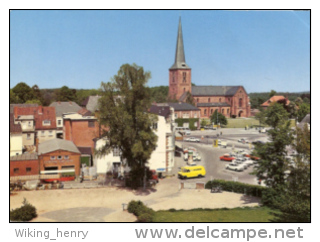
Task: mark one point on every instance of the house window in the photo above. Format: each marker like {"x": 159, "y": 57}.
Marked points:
{"x": 16, "y": 170}
{"x": 59, "y": 157}
{"x": 211, "y": 112}
{"x": 59, "y": 122}
{"x": 29, "y": 123}
{"x": 28, "y": 136}
{"x": 195, "y": 115}
{"x": 197, "y": 100}
{"x": 90, "y": 123}
{"x": 185, "y": 115}
{"x": 228, "y": 111}
{"x": 52, "y": 157}
{"x": 208, "y": 100}
{"x": 116, "y": 152}
{"x": 42, "y": 133}
{"x": 184, "y": 76}
{"x": 222, "y": 111}
{"x": 205, "y": 112}
{"x": 155, "y": 126}
{"x": 240, "y": 102}
{"x": 28, "y": 169}
{"x": 66, "y": 157}
{"x": 46, "y": 122}
{"x": 50, "y": 132}
{"x": 176, "y": 115}
{"x": 219, "y": 100}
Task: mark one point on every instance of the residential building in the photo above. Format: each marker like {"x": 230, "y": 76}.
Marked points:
{"x": 59, "y": 155}
{"x": 91, "y": 103}
{"x": 81, "y": 128}
{"x": 162, "y": 158}
{"x": 63, "y": 108}
{"x": 36, "y": 123}
{"x": 16, "y": 144}
{"x": 231, "y": 101}
{"x": 273, "y": 100}
{"x": 187, "y": 112}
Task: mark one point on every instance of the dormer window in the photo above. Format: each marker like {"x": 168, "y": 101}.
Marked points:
{"x": 46, "y": 122}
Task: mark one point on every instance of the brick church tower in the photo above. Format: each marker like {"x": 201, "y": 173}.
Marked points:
{"x": 180, "y": 72}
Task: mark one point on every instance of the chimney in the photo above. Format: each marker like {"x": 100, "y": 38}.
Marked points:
{"x": 40, "y": 109}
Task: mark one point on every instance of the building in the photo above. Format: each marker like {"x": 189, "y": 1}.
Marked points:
{"x": 63, "y": 108}
{"x": 16, "y": 144}
{"x": 188, "y": 113}
{"x": 162, "y": 158}
{"x": 231, "y": 101}
{"x": 36, "y": 123}
{"x": 91, "y": 103}
{"x": 305, "y": 121}
{"x": 273, "y": 100}
{"x": 59, "y": 155}
{"x": 82, "y": 128}
{"x": 24, "y": 165}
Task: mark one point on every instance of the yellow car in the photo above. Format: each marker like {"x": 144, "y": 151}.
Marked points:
{"x": 191, "y": 171}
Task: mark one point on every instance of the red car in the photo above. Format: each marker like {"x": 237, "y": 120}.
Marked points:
{"x": 227, "y": 157}
{"x": 252, "y": 157}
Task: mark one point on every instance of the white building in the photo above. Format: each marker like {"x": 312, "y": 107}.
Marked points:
{"x": 162, "y": 158}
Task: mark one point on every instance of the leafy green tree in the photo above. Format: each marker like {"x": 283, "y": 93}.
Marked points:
{"x": 190, "y": 99}
{"x": 65, "y": 94}
{"x": 14, "y": 98}
{"x": 203, "y": 122}
{"x": 303, "y": 110}
{"x": 273, "y": 163}
{"x": 218, "y": 117}
{"x": 34, "y": 101}
{"x": 123, "y": 109}
{"x": 23, "y": 92}
{"x": 272, "y": 93}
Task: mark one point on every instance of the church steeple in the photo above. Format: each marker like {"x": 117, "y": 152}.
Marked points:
{"x": 180, "y": 62}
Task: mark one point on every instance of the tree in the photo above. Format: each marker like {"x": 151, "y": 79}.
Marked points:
{"x": 34, "y": 101}
{"x": 14, "y": 98}
{"x": 190, "y": 99}
{"x": 23, "y": 92}
{"x": 65, "y": 94}
{"x": 217, "y": 117}
{"x": 303, "y": 110}
{"x": 272, "y": 93}
{"x": 123, "y": 109}
{"x": 273, "y": 163}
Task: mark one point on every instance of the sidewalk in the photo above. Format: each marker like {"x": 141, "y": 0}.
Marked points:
{"x": 105, "y": 204}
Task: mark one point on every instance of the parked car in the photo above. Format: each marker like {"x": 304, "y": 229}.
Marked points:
{"x": 186, "y": 156}
{"x": 193, "y": 139}
{"x": 257, "y": 142}
{"x": 227, "y": 157}
{"x": 234, "y": 167}
{"x": 248, "y": 162}
{"x": 244, "y": 141}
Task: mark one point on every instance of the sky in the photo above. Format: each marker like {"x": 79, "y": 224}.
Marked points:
{"x": 261, "y": 50}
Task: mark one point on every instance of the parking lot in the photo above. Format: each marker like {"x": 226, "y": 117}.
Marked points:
{"x": 215, "y": 168}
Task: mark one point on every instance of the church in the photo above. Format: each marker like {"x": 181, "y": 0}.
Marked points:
{"x": 231, "y": 101}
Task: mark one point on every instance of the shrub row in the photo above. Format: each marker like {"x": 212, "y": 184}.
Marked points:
{"x": 25, "y": 213}
{"x": 237, "y": 187}
{"x": 143, "y": 213}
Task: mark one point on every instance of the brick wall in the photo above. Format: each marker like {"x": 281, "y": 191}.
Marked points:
{"x": 176, "y": 84}
{"x": 19, "y": 168}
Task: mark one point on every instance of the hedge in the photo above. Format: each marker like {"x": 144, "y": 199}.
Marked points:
{"x": 25, "y": 213}
{"x": 191, "y": 121}
{"x": 237, "y": 187}
{"x": 143, "y": 213}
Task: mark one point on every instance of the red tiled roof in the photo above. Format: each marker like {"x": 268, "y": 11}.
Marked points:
{"x": 274, "y": 99}
{"x": 14, "y": 128}
{"x": 40, "y": 114}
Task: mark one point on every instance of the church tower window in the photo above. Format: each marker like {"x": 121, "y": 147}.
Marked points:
{"x": 184, "y": 76}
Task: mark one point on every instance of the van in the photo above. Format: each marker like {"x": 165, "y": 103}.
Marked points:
{"x": 191, "y": 171}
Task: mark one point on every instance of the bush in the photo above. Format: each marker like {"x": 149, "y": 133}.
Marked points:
{"x": 140, "y": 210}
{"x": 25, "y": 213}
{"x": 237, "y": 187}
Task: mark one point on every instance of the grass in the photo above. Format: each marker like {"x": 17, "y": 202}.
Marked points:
{"x": 245, "y": 214}
{"x": 241, "y": 122}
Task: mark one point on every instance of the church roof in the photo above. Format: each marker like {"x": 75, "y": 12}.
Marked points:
{"x": 214, "y": 90}
{"x": 183, "y": 107}
{"x": 213, "y": 105}
{"x": 180, "y": 61}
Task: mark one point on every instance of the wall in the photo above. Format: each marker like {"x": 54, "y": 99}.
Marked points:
{"x": 79, "y": 133}
{"x": 28, "y": 141}
{"x": 22, "y": 165}
{"x": 44, "y": 135}
{"x": 176, "y": 84}
{"x": 74, "y": 160}
{"x": 16, "y": 144}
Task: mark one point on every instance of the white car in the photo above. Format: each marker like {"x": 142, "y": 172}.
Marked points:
{"x": 248, "y": 162}
{"x": 234, "y": 167}
{"x": 243, "y": 141}
{"x": 192, "y": 139}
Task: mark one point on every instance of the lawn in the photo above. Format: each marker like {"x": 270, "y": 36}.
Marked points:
{"x": 241, "y": 122}
{"x": 246, "y": 214}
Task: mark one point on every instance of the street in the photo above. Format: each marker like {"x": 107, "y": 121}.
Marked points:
{"x": 215, "y": 168}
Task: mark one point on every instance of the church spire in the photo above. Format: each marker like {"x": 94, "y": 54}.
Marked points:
{"x": 180, "y": 62}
